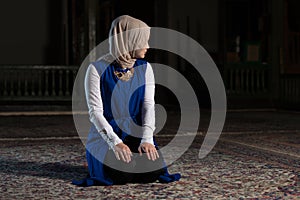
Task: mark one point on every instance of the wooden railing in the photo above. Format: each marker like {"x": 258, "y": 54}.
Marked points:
{"x": 246, "y": 79}
{"x": 290, "y": 90}
{"x": 37, "y": 82}
{"x": 55, "y": 83}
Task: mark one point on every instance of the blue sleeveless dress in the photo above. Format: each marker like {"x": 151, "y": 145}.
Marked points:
{"x": 114, "y": 112}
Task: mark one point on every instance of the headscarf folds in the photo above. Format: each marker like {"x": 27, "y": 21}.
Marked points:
{"x": 126, "y": 35}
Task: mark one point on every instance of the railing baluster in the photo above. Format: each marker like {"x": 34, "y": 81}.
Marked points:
{"x": 294, "y": 90}
{"x": 33, "y": 75}
{"x": 46, "y": 83}
{"x": 26, "y": 87}
{"x": 25, "y": 75}
{"x": 258, "y": 76}
{"x": 60, "y": 92}
{"x": 67, "y": 82}
{"x": 11, "y": 93}
{"x": 242, "y": 80}
{"x": 5, "y": 93}
{"x": 19, "y": 84}
{"x": 74, "y": 76}
{"x": 247, "y": 81}
{"x": 40, "y": 83}
{"x": 53, "y": 83}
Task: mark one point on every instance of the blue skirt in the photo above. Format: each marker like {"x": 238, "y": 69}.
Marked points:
{"x": 97, "y": 153}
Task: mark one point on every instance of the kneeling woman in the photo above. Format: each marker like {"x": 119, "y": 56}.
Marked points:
{"x": 119, "y": 91}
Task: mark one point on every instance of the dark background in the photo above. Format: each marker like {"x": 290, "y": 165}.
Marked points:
{"x": 49, "y": 33}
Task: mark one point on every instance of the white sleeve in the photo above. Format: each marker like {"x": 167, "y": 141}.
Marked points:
{"x": 148, "y": 112}
{"x": 95, "y": 106}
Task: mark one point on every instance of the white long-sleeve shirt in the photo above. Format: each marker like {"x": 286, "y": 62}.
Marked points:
{"x": 95, "y": 105}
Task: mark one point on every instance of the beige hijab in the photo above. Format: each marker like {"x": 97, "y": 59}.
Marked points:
{"x": 126, "y": 35}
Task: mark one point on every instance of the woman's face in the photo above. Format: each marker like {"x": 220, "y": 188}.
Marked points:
{"x": 140, "y": 53}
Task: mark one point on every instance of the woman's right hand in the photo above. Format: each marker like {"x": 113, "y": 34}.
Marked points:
{"x": 123, "y": 152}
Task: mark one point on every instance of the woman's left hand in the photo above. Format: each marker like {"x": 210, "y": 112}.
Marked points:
{"x": 149, "y": 149}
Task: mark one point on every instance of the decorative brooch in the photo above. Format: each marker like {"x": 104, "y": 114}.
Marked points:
{"x": 123, "y": 74}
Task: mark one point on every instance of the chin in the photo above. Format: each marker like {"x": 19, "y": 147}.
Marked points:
{"x": 141, "y": 56}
